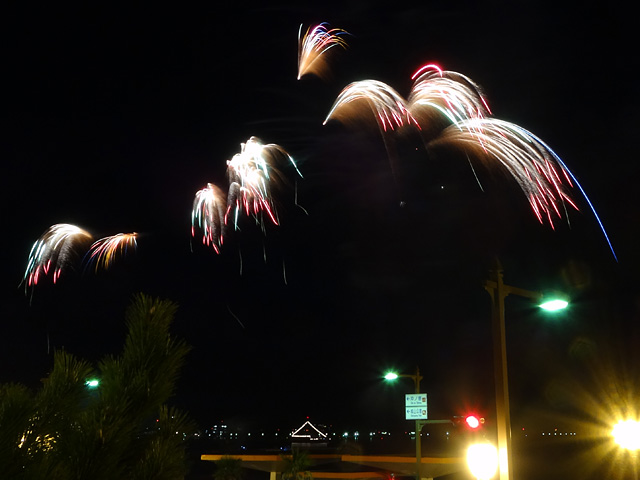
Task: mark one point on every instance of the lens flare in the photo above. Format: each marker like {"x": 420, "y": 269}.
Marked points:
{"x": 482, "y": 460}
{"x": 626, "y": 433}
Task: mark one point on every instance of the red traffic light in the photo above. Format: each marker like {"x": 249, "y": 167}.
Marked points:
{"x": 473, "y": 421}
{"x": 470, "y": 421}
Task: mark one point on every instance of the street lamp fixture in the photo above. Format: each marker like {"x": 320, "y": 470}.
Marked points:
{"x": 498, "y": 291}
{"x": 482, "y": 460}
{"x": 626, "y": 434}
{"x": 554, "y": 304}
{"x": 92, "y": 383}
{"x": 391, "y": 376}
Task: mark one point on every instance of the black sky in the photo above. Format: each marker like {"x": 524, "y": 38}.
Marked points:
{"x": 113, "y": 119}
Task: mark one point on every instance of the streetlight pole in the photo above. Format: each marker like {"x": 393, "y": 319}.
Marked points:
{"x": 498, "y": 291}
{"x": 416, "y": 380}
{"x": 419, "y": 423}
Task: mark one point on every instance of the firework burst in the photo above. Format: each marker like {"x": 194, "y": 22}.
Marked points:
{"x": 543, "y": 179}
{"x": 388, "y": 106}
{"x": 447, "y": 94}
{"x": 468, "y": 125}
{"x": 209, "y": 209}
{"x": 103, "y": 252}
{"x": 313, "y": 47}
{"x": 253, "y": 173}
{"x": 53, "y": 251}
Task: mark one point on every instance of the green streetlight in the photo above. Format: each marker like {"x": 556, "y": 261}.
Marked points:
{"x": 92, "y": 383}
{"x": 554, "y": 305}
{"x": 498, "y": 291}
{"x": 391, "y": 376}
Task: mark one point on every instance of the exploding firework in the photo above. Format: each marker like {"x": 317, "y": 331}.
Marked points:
{"x": 438, "y": 93}
{"x": 103, "y": 252}
{"x": 531, "y": 162}
{"x": 536, "y": 168}
{"x": 209, "y": 209}
{"x": 469, "y": 125}
{"x": 388, "y": 106}
{"x": 313, "y": 47}
{"x": 253, "y": 173}
{"x": 53, "y": 251}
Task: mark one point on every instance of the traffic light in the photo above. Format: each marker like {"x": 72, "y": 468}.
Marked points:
{"x": 470, "y": 421}
{"x": 473, "y": 421}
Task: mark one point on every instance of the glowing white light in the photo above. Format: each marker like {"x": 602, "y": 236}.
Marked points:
{"x": 482, "y": 460}
{"x": 554, "y": 305}
{"x": 627, "y": 434}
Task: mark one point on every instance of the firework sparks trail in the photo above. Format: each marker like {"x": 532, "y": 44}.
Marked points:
{"x": 530, "y": 160}
{"x": 388, "y": 105}
{"x": 524, "y": 156}
{"x": 103, "y": 252}
{"x": 451, "y": 94}
{"x": 539, "y": 171}
{"x": 313, "y": 46}
{"x": 584, "y": 194}
{"x": 236, "y": 317}
{"x": 209, "y": 209}
{"x": 53, "y": 251}
{"x": 252, "y": 173}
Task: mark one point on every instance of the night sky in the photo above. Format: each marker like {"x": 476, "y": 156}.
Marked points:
{"x": 113, "y": 119}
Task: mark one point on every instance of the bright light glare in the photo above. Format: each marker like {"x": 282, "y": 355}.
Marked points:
{"x": 554, "y": 305}
{"x": 482, "y": 460}
{"x": 391, "y": 376}
{"x": 472, "y": 421}
{"x": 93, "y": 383}
{"x": 626, "y": 433}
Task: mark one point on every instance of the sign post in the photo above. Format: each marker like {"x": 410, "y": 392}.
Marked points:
{"x": 415, "y": 407}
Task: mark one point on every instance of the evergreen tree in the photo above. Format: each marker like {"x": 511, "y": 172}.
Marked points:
{"x": 296, "y": 466}
{"x": 228, "y": 468}
{"x": 121, "y": 429}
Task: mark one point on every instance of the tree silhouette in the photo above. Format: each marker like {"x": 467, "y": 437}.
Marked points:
{"x": 228, "y": 468}
{"x": 296, "y": 466}
{"x": 121, "y": 429}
